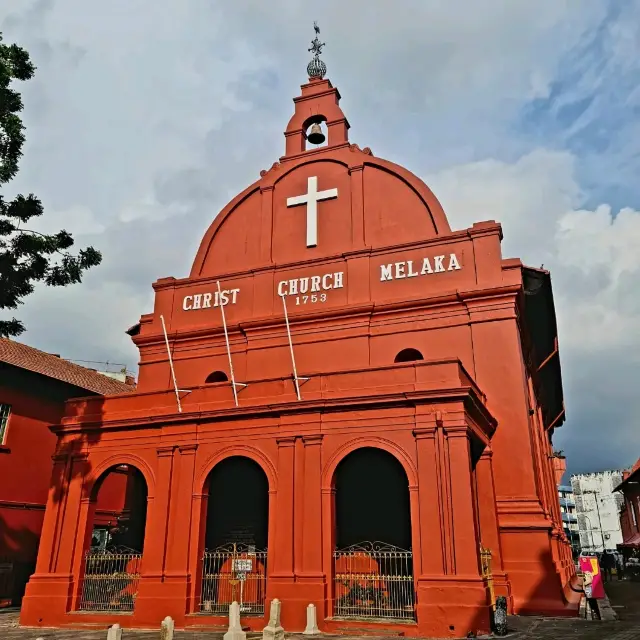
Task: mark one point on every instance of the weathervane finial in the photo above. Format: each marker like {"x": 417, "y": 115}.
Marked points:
{"x": 316, "y": 68}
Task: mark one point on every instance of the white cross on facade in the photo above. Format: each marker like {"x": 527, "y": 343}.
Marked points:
{"x": 311, "y": 199}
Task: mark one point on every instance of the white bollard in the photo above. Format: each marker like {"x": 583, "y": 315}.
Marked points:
{"x": 274, "y": 630}
{"x": 312, "y": 621}
{"x": 114, "y": 632}
{"x": 166, "y": 628}
{"x": 235, "y": 629}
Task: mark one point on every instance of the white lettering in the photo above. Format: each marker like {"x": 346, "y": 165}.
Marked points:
{"x": 385, "y": 272}
{"x": 426, "y": 267}
{"x": 315, "y": 283}
{"x": 337, "y": 280}
{"x": 282, "y": 288}
{"x": 325, "y": 281}
{"x": 399, "y": 270}
{"x": 304, "y": 285}
{"x": 208, "y": 299}
{"x": 453, "y": 262}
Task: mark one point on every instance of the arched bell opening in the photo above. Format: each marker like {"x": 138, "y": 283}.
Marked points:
{"x": 316, "y": 133}
{"x": 373, "y": 560}
{"x": 113, "y": 552}
{"x": 234, "y": 565}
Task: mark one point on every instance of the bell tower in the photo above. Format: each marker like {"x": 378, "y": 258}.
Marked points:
{"x": 318, "y": 103}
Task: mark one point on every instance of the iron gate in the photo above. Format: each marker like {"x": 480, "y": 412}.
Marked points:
{"x": 373, "y": 580}
{"x": 110, "y": 580}
{"x": 234, "y": 572}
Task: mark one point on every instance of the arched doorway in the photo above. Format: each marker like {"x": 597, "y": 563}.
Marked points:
{"x": 373, "y": 561}
{"x": 113, "y": 554}
{"x": 234, "y": 565}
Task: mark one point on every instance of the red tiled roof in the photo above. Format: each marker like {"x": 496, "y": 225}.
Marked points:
{"x": 46, "y": 364}
{"x": 628, "y": 475}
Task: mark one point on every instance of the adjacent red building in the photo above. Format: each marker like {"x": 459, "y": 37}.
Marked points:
{"x": 630, "y": 514}
{"x": 346, "y": 403}
{"x": 33, "y": 389}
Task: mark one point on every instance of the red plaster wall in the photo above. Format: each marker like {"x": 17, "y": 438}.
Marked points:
{"x": 25, "y": 470}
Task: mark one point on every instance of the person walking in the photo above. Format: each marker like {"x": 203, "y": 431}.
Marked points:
{"x": 620, "y": 568}
{"x": 607, "y": 563}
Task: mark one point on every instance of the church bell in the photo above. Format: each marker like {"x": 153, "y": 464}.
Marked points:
{"x": 315, "y": 135}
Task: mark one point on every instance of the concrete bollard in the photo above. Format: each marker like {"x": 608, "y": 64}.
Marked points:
{"x": 114, "y": 632}
{"x": 235, "y": 631}
{"x": 274, "y": 630}
{"x": 312, "y": 621}
{"x": 166, "y": 628}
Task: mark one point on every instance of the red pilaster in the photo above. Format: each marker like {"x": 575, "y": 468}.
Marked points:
{"x": 176, "y": 575}
{"x": 489, "y": 530}
{"x": 152, "y": 586}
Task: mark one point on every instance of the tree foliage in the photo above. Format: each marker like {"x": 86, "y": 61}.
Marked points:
{"x": 26, "y": 256}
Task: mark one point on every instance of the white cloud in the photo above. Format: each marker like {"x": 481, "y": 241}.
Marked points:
{"x": 595, "y": 267}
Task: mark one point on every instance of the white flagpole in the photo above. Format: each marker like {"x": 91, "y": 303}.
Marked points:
{"x": 234, "y": 384}
{"x": 293, "y": 360}
{"x": 173, "y": 373}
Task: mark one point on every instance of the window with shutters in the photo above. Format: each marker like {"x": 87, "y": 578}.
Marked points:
{"x": 5, "y": 411}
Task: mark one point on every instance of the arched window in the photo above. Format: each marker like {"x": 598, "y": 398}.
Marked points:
{"x": 408, "y": 355}
{"x": 216, "y": 376}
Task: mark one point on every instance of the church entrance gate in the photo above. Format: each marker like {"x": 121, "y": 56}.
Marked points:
{"x": 234, "y": 558}
{"x": 372, "y": 580}
{"x": 110, "y": 581}
{"x": 112, "y": 563}
{"x": 234, "y": 573}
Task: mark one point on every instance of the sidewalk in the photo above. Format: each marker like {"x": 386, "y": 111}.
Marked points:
{"x": 624, "y": 600}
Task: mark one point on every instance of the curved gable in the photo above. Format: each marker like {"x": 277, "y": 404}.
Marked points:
{"x": 378, "y": 204}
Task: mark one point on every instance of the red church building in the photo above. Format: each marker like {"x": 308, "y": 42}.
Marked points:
{"x": 346, "y": 403}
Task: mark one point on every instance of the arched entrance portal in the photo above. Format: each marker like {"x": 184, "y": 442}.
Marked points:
{"x": 373, "y": 561}
{"x": 113, "y": 554}
{"x": 234, "y": 565}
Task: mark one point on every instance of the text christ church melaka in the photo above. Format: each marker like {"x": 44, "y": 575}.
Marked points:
{"x": 345, "y": 404}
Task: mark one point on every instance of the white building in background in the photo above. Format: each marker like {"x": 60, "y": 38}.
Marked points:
{"x": 598, "y": 509}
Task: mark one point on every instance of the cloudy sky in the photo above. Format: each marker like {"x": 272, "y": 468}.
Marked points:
{"x": 146, "y": 117}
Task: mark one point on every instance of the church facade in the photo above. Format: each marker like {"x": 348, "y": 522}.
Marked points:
{"x": 345, "y": 404}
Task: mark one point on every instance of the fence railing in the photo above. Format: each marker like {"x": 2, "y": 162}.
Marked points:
{"x": 234, "y": 572}
{"x": 110, "y": 581}
{"x": 373, "y": 580}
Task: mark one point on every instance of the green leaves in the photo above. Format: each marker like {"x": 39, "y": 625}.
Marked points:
{"x": 27, "y": 256}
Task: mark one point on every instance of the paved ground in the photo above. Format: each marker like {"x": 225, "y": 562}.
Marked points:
{"x": 624, "y": 598}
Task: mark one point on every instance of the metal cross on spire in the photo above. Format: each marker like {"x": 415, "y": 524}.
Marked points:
{"x": 316, "y": 68}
